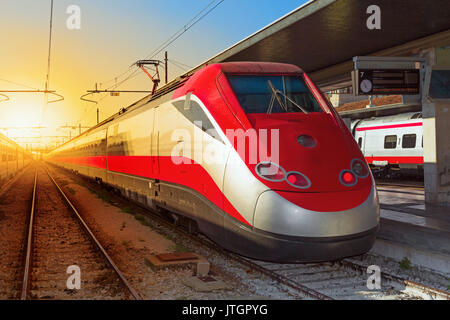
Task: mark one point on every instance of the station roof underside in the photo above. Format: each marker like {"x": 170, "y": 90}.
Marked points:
{"x": 323, "y": 36}
{"x": 380, "y": 111}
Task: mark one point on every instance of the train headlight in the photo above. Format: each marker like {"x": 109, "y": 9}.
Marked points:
{"x": 359, "y": 168}
{"x": 270, "y": 171}
{"x": 298, "y": 180}
{"x": 306, "y": 141}
{"x": 348, "y": 178}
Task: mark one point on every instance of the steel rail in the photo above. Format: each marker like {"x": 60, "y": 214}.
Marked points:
{"x": 433, "y": 292}
{"x": 211, "y": 245}
{"x": 133, "y": 292}
{"x": 402, "y": 185}
{"x": 7, "y": 185}
{"x": 282, "y": 279}
{"x": 27, "y": 268}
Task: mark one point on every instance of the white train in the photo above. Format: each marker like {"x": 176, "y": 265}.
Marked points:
{"x": 392, "y": 144}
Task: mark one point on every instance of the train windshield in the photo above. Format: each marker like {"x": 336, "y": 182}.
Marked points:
{"x": 273, "y": 94}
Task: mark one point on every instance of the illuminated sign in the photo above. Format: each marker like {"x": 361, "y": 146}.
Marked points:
{"x": 386, "y": 81}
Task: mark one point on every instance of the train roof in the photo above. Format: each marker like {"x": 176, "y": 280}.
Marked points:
{"x": 227, "y": 67}
{"x": 259, "y": 67}
{"x": 394, "y": 118}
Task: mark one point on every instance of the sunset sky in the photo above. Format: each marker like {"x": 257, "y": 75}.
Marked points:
{"x": 113, "y": 35}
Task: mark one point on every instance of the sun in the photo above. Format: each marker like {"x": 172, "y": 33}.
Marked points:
{"x": 18, "y": 115}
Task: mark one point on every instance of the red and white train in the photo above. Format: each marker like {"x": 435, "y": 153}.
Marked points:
{"x": 392, "y": 144}
{"x": 316, "y": 202}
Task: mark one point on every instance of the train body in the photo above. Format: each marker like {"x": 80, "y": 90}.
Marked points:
{"x": 252, "y": 152}
{"x": 12, "y": 158}
{"x": 393, "y": 143}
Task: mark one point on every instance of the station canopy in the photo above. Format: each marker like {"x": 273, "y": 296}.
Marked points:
{"x": 322, "y": 36}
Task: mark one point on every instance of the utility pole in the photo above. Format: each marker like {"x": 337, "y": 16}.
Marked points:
{"x": 165, "y": 66}
{"x": 47, "y": 81}
{"x": 97, "y": 116}
{"x": 79, "y": 129}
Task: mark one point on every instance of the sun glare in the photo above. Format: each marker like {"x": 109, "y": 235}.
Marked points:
{"x": 24, "y": 116}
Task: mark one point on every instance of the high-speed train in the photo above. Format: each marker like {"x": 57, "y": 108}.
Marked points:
{"x": 252, "y": 152}
{"x": 12, "y": 158}
{"x": 392, "y": 144}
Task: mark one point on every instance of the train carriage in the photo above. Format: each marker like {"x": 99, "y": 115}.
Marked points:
{"x": 392, "y": 143}
{"x": 12, "y": 158}
{"x": 252, "y": 152}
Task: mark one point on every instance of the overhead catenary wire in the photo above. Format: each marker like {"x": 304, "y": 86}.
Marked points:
{"x": 178, "y": 65}
{"x": 47, "y": 81}
{"x": 197, "y": 18}
{"x": 46, "y": 90}
{"x": 5, "y": 97}
{"x": 18, "y": 84}
{"x": 181, "y": 63}
{"x": 186, "y": 27}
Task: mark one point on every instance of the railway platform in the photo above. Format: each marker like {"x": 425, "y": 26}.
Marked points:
{"x": 411, "y": 231}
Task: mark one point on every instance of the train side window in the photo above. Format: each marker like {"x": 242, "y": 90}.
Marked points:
{"x": 409, "y": 141}
{"x": 360, "y": 142}
{"x": 390, "y": 142}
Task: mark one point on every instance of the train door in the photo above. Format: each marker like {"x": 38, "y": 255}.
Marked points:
{"x": 362, "y": 141}
{"x": 360, "y": 137}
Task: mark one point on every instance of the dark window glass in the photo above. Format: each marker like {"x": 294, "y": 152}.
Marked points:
{"x": 197, "y": 116}
{"x": 409, "y": 141}
{"x": 390, "y": 142}
{"x": 360, "y": 142}
{"x": 440, "y": 84}
{"x": 256, "y": 96}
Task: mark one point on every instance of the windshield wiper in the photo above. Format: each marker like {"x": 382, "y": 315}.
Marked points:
{"x": 275, "y": 93}
{"x": 273, "y": 97}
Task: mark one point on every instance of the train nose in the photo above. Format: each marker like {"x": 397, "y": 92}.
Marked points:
{"x": 275, "y": 214}
{"x": 312, "y": 146}
{"x": 286, "y": 232}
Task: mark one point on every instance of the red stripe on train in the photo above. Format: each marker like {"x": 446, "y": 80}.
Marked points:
{"x": 196, "y": 178}
{"x": 95, "y": 162}
{"x": 397, "y": 160}
{"x": 391, "y": 126}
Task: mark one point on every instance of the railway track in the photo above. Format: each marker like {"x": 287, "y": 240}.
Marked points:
{"x": 15, "y": 201}
{"x": 393, "y": 184}
{"x": 338, "y": 280}
{"x": 57, "y": 241}
{"x": 344, "y": 279}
